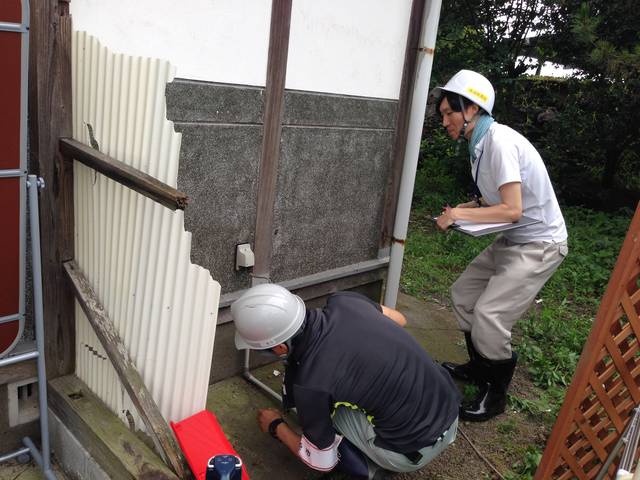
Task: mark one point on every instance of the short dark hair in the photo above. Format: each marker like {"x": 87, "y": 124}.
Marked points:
{"x": 455, "y": 100}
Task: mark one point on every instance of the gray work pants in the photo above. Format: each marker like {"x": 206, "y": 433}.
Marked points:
{"x": 353, "y": 425}
{"x": 498, "y": 286}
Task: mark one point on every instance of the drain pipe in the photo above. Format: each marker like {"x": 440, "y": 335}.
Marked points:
{"x": 420, "y": 91}
{"x": 246, "y": 373}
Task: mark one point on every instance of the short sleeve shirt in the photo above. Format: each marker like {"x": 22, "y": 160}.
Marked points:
{"x": 504, "y": 156}
{"x": 353, "y": 355}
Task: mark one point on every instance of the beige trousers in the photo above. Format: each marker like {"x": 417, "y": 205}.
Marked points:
{"x": 498, "y": 286}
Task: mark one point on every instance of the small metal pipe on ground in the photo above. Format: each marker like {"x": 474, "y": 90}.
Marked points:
{"x": 246, "y": 373}
{"x": 419, "y": 97}
{"x": 35, "y": 453}
{"x": 17, "y": 453}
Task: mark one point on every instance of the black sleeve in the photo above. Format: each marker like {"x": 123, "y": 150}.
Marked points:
{"x": 314, "y": 413}
{"x": 355, "y": 296}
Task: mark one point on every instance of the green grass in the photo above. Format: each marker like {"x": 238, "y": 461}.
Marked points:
{"x": 550, "y": 337}
{"x": 526, "y": 468}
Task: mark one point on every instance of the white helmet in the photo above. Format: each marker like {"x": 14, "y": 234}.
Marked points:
{"x": 265, "y": 316}
{"x": 473, "y": 86}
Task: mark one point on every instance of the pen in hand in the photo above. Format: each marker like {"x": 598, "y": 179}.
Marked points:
{"x": 445, "y": 220}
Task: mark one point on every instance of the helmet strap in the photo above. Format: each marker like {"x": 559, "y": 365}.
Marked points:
{"x": 463, "y": 130}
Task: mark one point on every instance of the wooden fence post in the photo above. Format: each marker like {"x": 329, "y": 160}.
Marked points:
{"x": 50, "y": 119}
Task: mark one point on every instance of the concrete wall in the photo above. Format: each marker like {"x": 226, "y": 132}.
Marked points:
{"x": 221, "y": 128}
{"x": 333, "y": 170}
{"x": 11, "y": 436}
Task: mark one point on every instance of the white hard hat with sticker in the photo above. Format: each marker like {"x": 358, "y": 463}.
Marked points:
{"x": 265, "y": 316}
{"x": 472, "y": 86}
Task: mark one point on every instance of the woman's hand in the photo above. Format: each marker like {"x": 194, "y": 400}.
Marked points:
{"x": 446, "y": 219}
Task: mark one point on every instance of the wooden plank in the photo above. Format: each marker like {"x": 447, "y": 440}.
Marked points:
{"x": 402, "y": 122}
{"x": 114, "y": 447}
{"x": 571, "y": 462}
{"x": 49, "y": 119}
{"x": 117, "y": 352}
{"x": 127, "y": 175}
{"x": 274, "y": 104}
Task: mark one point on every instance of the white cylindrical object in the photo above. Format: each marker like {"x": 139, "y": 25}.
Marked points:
{"x": 420, "y": 93}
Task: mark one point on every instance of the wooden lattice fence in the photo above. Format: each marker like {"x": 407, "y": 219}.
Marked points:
{"x": 605, "y": 388}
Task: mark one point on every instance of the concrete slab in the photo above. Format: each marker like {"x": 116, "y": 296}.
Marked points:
{"x": 235, "y": 401}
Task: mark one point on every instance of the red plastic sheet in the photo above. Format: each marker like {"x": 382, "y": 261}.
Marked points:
{"x": 201, "y": 437}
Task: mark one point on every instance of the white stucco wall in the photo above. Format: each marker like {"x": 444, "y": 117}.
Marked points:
{"x": 353, "y": 47}
{"x": 215, "y": 40}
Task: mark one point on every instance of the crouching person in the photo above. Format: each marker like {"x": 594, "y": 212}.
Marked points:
{"x": 368, "y": 397}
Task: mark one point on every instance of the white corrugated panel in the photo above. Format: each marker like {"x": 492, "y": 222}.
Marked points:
{"x": 135, "y": 252}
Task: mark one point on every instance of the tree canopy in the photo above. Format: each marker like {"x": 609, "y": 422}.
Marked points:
{"x": 590, "y": 130}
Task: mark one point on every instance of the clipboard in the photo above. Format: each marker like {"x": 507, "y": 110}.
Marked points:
{"x": 476, "y": 229}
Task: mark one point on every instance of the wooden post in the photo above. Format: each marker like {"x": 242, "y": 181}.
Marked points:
{"x": 126, "y": 369}
{"x": 50, "y": 119}
{"x": 125, "y": 174}
{"x": 402, "y": 122}
{"x": 274, "y": 104}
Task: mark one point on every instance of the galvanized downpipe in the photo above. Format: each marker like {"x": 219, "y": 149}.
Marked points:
{"x": 419, "y": 96}
{"x": 246, "y": 373}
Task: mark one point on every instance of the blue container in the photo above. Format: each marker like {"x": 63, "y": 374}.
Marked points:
{"x": 224, "y": 467}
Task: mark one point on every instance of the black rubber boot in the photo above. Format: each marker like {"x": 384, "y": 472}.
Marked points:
{"x": 464, "y": 371}
{"x": 495, "y": 377}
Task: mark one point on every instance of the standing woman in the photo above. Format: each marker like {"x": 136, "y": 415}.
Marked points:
{"x": 498, "y": 286}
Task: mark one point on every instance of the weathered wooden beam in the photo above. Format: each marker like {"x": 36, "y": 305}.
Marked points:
{"x": 50, "y": 119}
{"x": 127, "y": 175}
{"x": 117, "y": 352}
{"x": 116, "y": 449}
{"x": 273, "y": 108}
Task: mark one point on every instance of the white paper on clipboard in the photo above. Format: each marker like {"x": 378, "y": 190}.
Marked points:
{"x": 468, "y": 226}
{"x": 476, "y": 229}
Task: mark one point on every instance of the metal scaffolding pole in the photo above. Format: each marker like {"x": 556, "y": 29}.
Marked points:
{"x": 42, "y": 459}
